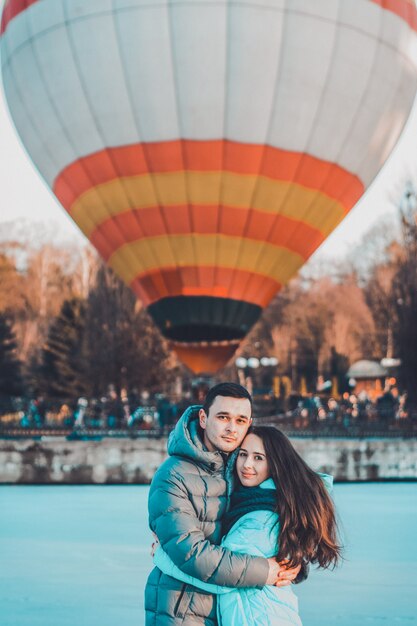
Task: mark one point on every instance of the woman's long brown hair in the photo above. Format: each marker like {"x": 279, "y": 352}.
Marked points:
{"x": 307, "y": 519}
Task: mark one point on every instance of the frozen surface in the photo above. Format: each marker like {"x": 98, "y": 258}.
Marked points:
{"x": 79, "y": 555}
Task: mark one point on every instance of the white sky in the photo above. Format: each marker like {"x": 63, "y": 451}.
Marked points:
{"x": 23, "y": 195}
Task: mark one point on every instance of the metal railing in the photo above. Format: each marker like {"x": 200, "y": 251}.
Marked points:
{"x": 399, "y": 429}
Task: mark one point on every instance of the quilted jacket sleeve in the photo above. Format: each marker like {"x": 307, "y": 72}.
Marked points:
{"x": 255, "y": 534}
{"x": 167, "y": 566}
{"x": 174, "y": 520}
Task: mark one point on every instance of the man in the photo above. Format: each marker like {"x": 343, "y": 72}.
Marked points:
{"x": 187, "y": 500}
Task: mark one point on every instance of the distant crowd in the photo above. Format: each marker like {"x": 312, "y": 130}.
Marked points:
{"x": 146, "y": 412}
{"x": 352, "y": 408}
{"x": 110, "y": 411}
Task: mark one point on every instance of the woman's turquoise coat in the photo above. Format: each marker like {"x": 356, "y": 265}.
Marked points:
{"x": 255, "y": 533}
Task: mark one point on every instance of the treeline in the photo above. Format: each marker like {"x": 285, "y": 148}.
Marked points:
{"x": 69, "y": 327}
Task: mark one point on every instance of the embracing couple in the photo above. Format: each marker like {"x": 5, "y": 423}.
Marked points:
{"x": 238, "y": 516}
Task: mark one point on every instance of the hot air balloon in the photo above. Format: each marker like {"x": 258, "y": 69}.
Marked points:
{"x": 206, "y": 149}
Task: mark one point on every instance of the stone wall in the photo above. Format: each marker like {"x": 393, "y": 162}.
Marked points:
{"x": 135, "y": 461}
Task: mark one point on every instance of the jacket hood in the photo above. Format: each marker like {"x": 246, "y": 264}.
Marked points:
{"x": 268, "y": 484}
{"x": 185, "y": 441}
{"x": 326, "y": 478}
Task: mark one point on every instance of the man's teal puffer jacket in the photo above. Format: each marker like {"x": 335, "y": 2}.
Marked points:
{"x": 187, "y": 500}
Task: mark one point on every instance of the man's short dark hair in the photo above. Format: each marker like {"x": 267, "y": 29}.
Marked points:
{"x": 228, "y": 390}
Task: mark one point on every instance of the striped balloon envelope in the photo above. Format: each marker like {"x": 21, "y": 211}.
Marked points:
{"x": 207, "y": 148}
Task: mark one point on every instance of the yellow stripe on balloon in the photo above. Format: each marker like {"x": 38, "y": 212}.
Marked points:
{"x": 276, "y": 262}
{"x": 310, "y": 206}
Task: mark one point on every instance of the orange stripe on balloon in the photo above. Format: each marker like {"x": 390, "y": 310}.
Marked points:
{"x": 206, "y": 156}
{"x": 11, "y": 9}
{"x": 141, "y": 223}
{"x": 405, "y": 9}
{"x": 170, "y": 282}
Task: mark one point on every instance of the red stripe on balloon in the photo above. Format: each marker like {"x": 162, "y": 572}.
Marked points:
{"x": 405, "y": 9}
{"x": 137, "y": 224}
{"x": 206, "y": 156}
{"x": 11, "y": 9}
{"x": 219, "y": 282}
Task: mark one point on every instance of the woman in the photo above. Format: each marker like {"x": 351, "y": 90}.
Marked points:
{"x": 281, "y": 508}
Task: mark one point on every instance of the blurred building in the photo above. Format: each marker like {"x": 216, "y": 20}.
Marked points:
{"x": 368, "y": 376}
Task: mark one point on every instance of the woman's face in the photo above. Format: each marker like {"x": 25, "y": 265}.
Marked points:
{"x": 252, "y": 465}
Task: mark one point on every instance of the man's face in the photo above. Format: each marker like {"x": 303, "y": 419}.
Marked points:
{"x": 226, "y": 424}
